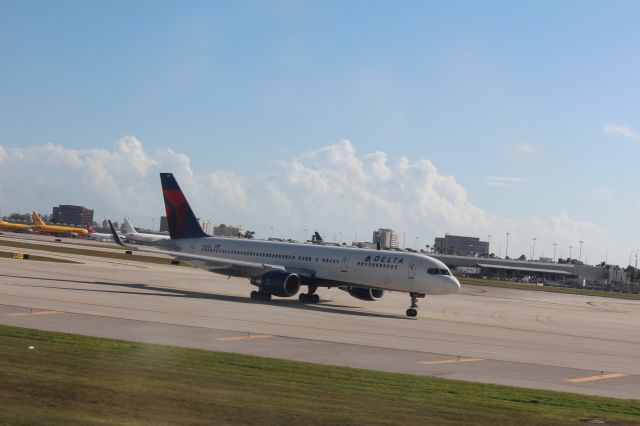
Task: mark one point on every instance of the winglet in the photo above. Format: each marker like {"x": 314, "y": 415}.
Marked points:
{"x": 116, "y": 237}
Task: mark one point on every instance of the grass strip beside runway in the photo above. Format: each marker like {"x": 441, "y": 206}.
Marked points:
{"x": 70, "y": 379}
{"x": 533, "y": 287}
{"x": 87, "y": 252}
{"x": 37, "y": 258}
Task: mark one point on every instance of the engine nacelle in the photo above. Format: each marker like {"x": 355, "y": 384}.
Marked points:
{"x": 368, "y": 294}
{"x": 279, "y": 283}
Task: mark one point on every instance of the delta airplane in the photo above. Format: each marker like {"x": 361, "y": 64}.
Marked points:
{"x": 40, "y": 226}
{"x": 134, "y": 236}
{"x": 280, "y": 269}
{"x": 98, "y": 236}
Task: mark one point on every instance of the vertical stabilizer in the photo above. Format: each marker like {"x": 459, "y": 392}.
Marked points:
{"x": 129, "y": 227}
{"x": 36, "y": 219}
{"x": 180, "y": 218}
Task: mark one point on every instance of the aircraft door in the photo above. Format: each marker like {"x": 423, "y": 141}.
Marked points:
{"x": 412, "y": 270}
{"x": 345, "y": 264}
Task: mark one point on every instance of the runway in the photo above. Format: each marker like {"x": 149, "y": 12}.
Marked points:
{"x": 532, "y": 339}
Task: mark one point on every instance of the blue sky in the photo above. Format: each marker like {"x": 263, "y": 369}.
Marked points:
{"x": 530, "y": 107}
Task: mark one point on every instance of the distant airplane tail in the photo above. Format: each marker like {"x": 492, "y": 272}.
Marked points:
{"x": 129, "y": 227}
{"x": 180, "y": 218}
{"x": 317, "y": 238}
{"x": 36, "y": 219}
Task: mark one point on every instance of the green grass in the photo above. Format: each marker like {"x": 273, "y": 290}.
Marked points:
{"x": 76, "y": 380}
{"x": 37, "y": 258}
{"x": 89, "y": 252}
{"x": 509, "y": 284}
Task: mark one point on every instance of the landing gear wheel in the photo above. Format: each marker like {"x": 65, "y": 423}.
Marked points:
{"x": 309, "y": 298}
{"x": 413, "y": 310}
{"x": 254, "y": 295}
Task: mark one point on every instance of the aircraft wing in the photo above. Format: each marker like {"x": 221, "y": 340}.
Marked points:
{"x": 213, "y": 264}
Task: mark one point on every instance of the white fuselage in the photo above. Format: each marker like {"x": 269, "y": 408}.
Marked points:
{"x": 140, "y": 237}
{"x": 388, "y": 270}
{"x": 99, "y": 236}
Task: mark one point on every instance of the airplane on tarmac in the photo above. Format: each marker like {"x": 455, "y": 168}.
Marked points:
{"x": 280, "y": 269}
{"x": 40, "y": 226}
{"x": 98, "y": 235}
{"x": 134, "y": 236}
{"x": 17, "y": 227}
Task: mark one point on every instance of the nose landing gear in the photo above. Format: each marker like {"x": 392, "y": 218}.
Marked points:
{"x": 413, "y": 309}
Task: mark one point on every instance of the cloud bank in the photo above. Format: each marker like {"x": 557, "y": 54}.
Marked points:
{"x": 333, "y": 189}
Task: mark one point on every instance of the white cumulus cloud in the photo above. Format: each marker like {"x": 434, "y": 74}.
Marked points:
{"x": 333, "y": 189}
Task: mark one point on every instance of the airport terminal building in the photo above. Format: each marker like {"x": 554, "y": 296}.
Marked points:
{"x": 558, "y": 274}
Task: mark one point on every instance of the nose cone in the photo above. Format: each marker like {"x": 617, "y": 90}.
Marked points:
{"x": 455, "y": 284}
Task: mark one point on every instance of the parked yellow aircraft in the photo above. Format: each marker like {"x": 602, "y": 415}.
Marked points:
{"x": 8, "y": 226}
{"x": 40, "y": 226}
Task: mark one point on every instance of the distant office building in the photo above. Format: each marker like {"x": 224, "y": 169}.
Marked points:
{"x": 164, "y": 225}
{"x": 223, "y": 230}
{"x": 462, "y": 246}
{"x": 206, "y": 226}
{"x": 388, "y": 238}
{"x": 72, "y": 215}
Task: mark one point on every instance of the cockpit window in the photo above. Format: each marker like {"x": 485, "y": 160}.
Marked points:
{"x": 438, "y": 271}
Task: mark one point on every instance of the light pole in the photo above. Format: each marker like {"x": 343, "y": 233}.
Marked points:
{"x": 340, "y": 238}
{"x": 580, "y": 255}
{"x": 506, "y": 250}
{"x": 489, "y": 245}
{"x": 570, "y": 247}
{"x": 305, "y": 235}
{"x": 555, "y": 246}
{"x": 533, "y": 249}
{"x": 404, "y": 241}
{"x": 153, "y": 223}
{"x": 272, "y": 232}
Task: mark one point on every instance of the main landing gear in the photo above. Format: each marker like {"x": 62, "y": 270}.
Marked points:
{"x": 310, "y": 296}
{"x": 260, "y": 295}
{"x": 413, "y": 309}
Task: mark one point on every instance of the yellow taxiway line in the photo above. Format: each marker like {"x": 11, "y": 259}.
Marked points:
{"x": 247, "y": 337}
{"x": 449, "y": 361}
{"x": 25, "y": 314}
{"x": 594, "y": 378}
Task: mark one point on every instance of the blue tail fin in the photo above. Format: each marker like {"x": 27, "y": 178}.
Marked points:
{"x": 180, "y": 218}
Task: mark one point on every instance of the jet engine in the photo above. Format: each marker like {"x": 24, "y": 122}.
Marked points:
{"x": 368, "y": 294}
{"x": 279, "y": 283}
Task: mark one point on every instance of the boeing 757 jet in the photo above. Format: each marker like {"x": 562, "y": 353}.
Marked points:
{"x": 280, "y": 269}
